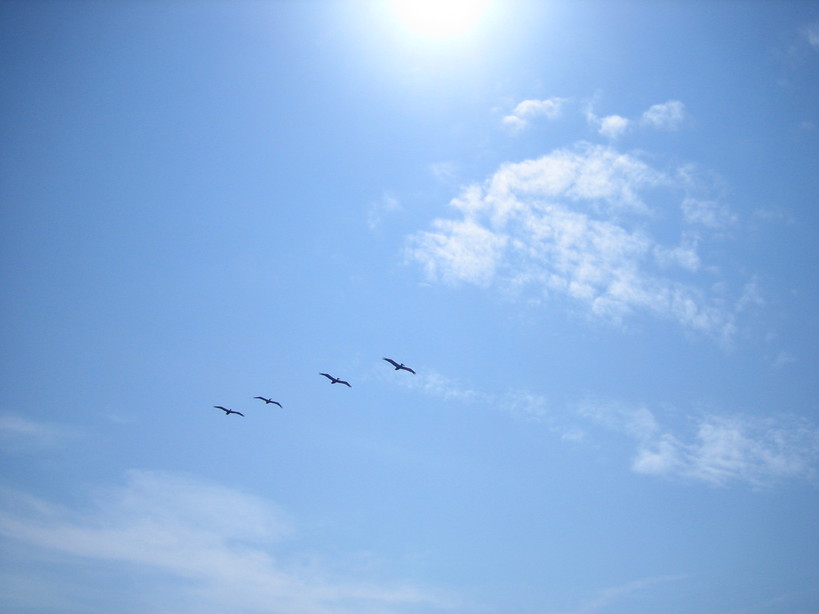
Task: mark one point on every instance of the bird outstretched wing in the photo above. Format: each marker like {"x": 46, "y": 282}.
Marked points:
{"x": 399, "y": 365}
{"x": 229, "y": 411}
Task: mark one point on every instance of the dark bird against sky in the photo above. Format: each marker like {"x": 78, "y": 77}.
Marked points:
{"x": 399, "y": 365}
{"x": 268, "y": 401}
{"x": 229, "y": 411}
{"x": 335, "y": 380}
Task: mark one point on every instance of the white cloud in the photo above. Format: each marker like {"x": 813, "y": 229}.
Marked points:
{"x": 458, "y": 251}
{"x": 812, "y": 34}
{"x": 713, "y": 448}
{"x": 593, "y": 173}
{"x": 708, "y": 213}
{"x": 434, "y": 384}
{"x": 514, "y": 123}
{"x": 666, "y": 116}
{"x": 378, "y": 209}
{"x": 517, "y": 403}
{"x": 751, "y": 450}
{"x": 620, "y": 593}
{"x": 751, "y": 295}
{"x": 529, "y": 109}
{"x": 613, "y": 126}
{"x": 720, "y": 450}
{"x": 661, "y": 458}
{"x": 684, "y": 255}
{"x": 18, "y": 432}
{"x": 446, "y": 172}
{"x": 533, "y": 108}
{"x": 575, "y": 223}
{"x": 783, "y": 359}
{"x": 217, "y": 549}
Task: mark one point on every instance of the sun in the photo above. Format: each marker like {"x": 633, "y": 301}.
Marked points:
{"x": 439, "y": 18}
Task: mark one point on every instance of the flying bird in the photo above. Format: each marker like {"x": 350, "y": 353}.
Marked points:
{"x": 229, "y": 411}
{"x": 335, "y": 380}
{"x": 268, "y": 401}
{"x": 399, "y": 365}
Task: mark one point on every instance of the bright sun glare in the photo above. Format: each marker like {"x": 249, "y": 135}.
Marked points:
{"x": 439, "y": 18}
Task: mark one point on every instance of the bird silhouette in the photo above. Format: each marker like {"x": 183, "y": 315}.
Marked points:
{"x": 399, "y": 365}
{"x": 335, "y": 380}
{"x": 229, "y": 411}
{"x": 268, "y": 401}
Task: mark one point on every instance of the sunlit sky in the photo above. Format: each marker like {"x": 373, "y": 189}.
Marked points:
{"x": 589, "y": 227}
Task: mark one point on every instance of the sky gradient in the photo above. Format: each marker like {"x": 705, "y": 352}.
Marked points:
{"x": 590, "y": 228}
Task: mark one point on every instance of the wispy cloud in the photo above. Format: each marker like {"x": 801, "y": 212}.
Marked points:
{"x": 576, "y": 222}
{"x": 518, "y": 403}
{"x": 377, "y": 210}
{"x": 527, "y": 110}
{"x": 684, "y": 255}
{"x": 432, "y": 383}
{"x": 783, "y": 358}
{"x": 666, "y": 116}
{"x": 707, "y": 213}
{"x": 811, "y": 32}
{"x": 613, "y": 126}
{"x": 710, "y": 447}
{"x": 719, "y": 449}
{"x": 226, "y": 550}
{"x": 19, "y": 432}
{"x": 446, "y": 172}
{"x": 459, "y": 250}
{"x": 616, "y": 594}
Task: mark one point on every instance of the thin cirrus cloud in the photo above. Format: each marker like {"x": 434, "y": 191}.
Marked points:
{"x": 378, "y": 210}
{"x": 577, "y": 223}
{"x": 229, "y": 548}
{"x": 811, "y": 32}
{"x": 623, "y": 592}
{"x": 718, "y": 449}
{"x": 21, "y": 433}
{"x": 667, "y": 116}
{"x": 613, "y": 126}
{"x": 713, "y": 448}
{"x": 527, "y": 110}
{"x": 519, "y": 403}
{"x": 707, "y": 213}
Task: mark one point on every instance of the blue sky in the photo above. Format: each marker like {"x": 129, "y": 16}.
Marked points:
{"x": 589, "y": 227}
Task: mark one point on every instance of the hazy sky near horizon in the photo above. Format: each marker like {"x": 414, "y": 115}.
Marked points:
{"x": 590, "y": 228}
